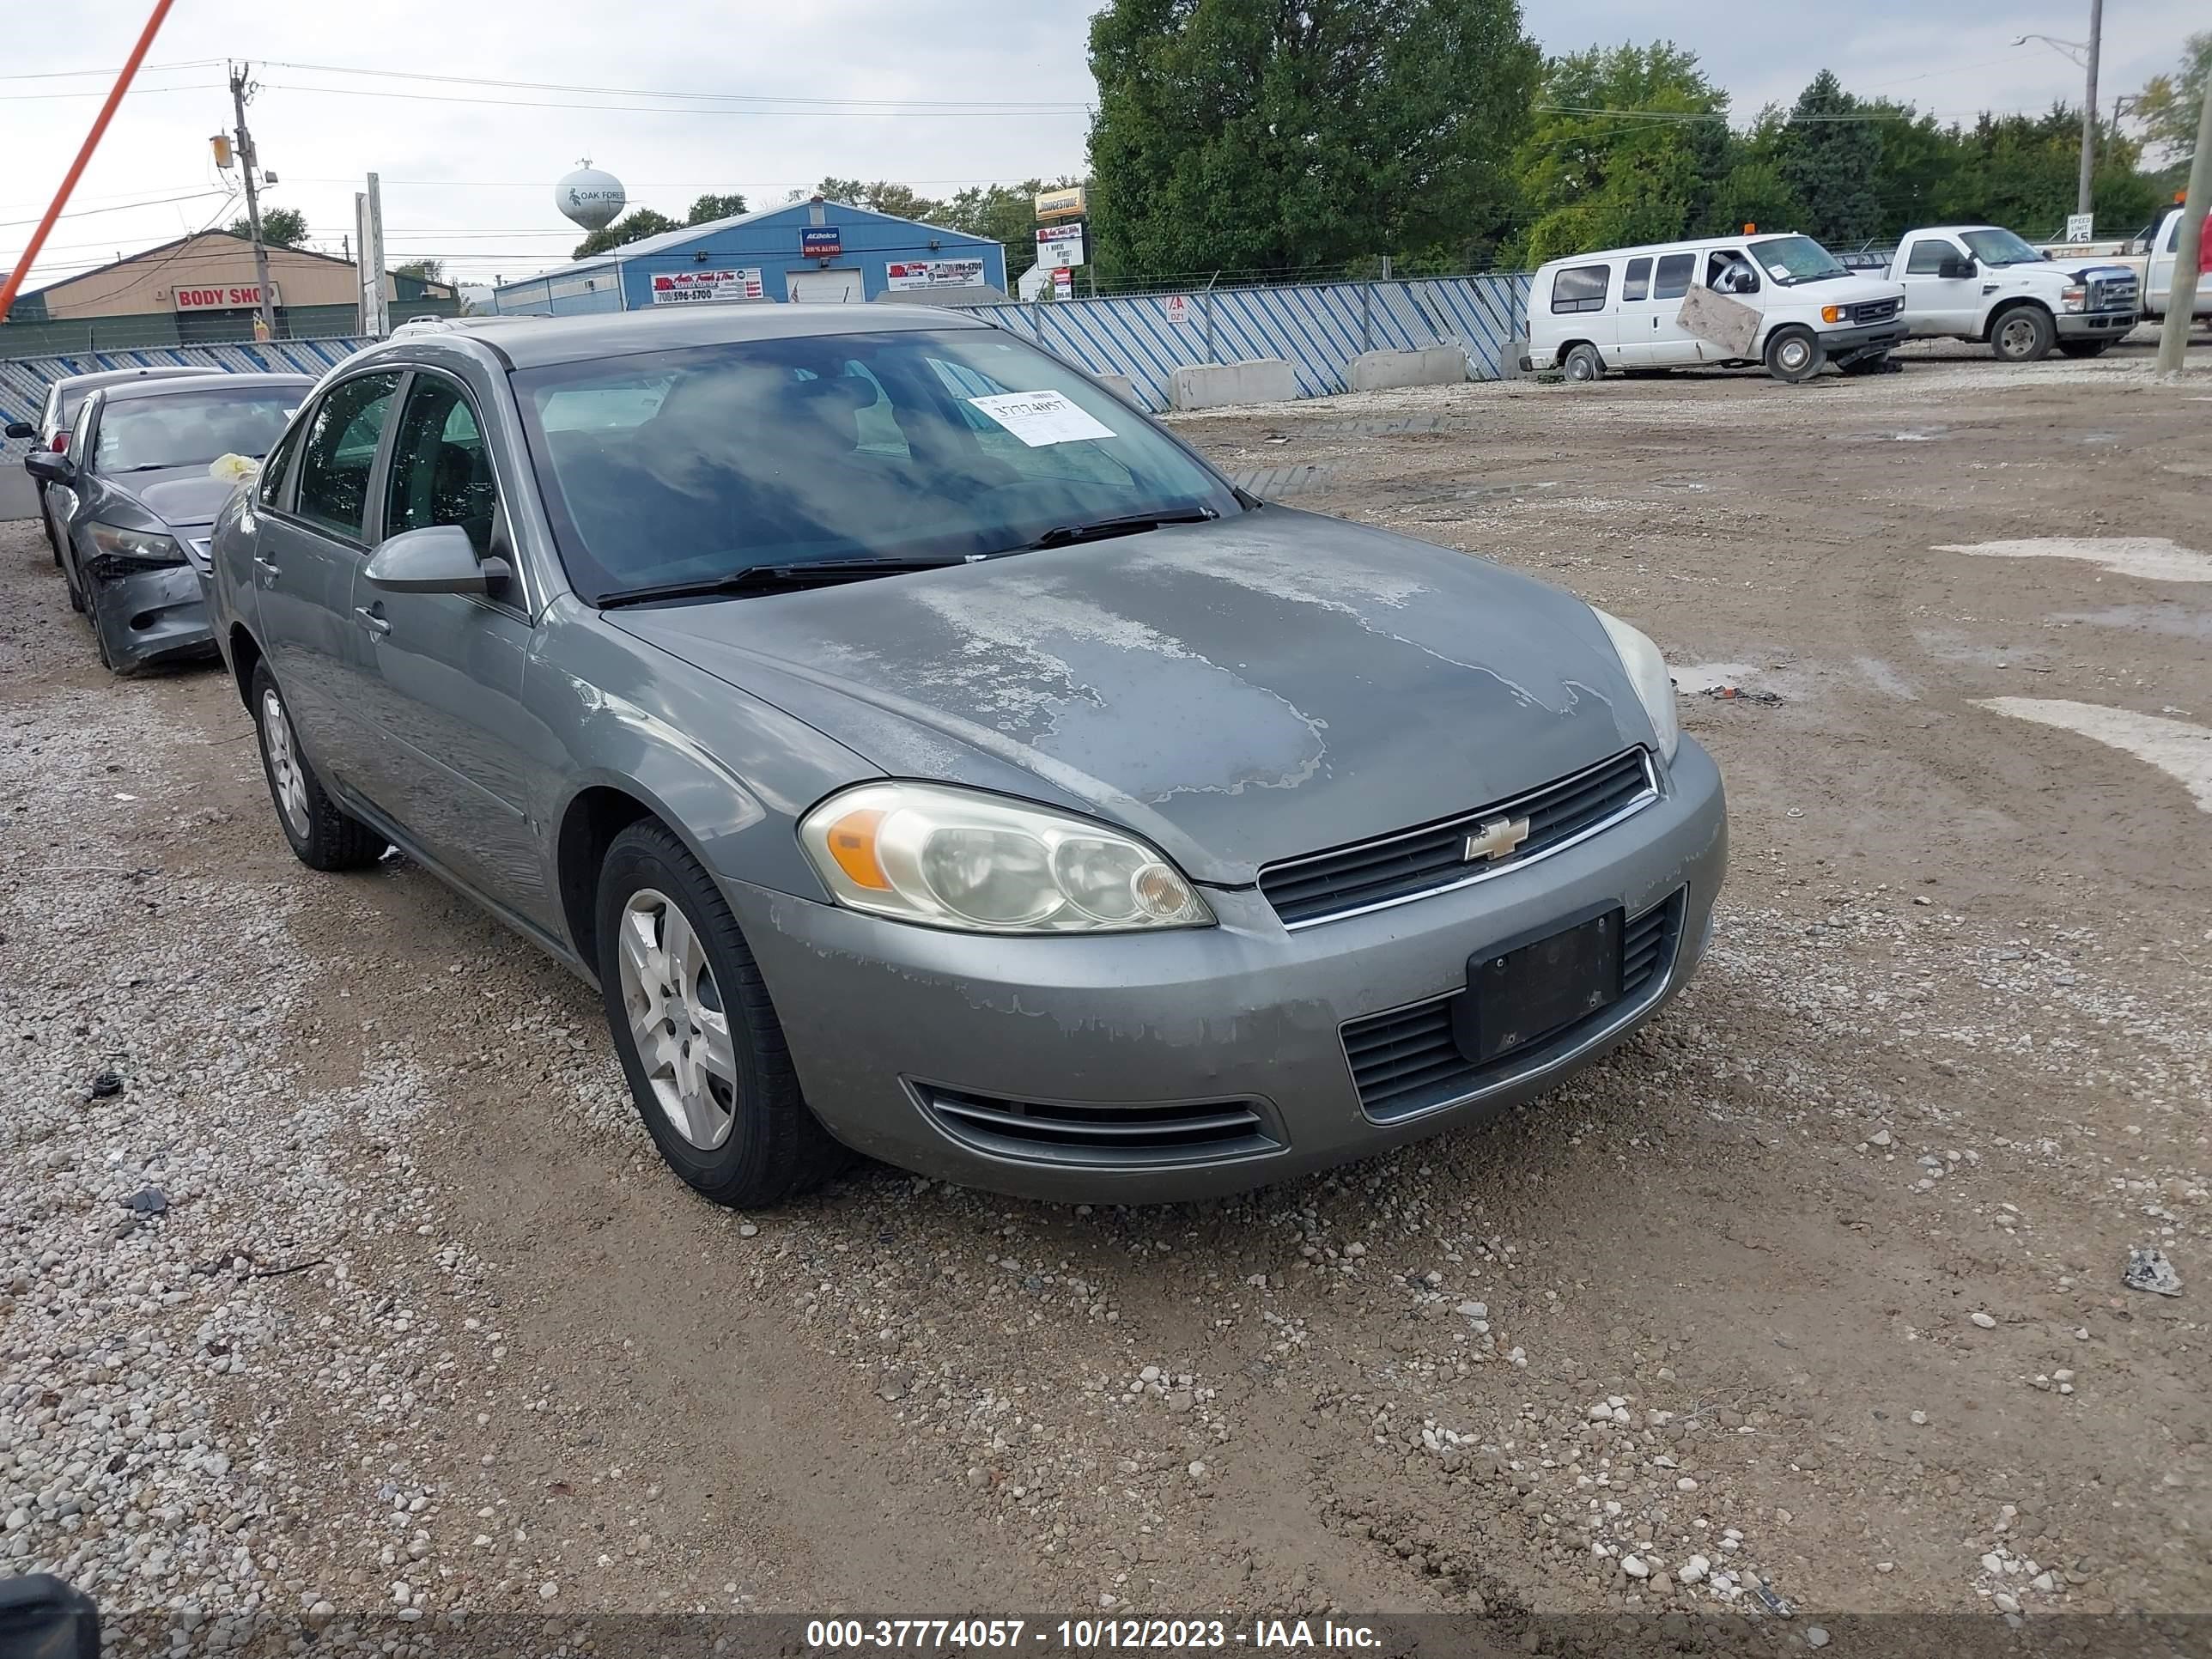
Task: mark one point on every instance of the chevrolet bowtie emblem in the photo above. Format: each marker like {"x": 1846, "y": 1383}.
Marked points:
{"x": 1495, "y": 839}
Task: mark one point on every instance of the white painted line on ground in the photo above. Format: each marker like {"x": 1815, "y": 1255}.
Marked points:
{"x": 2179, "y": 750}
{"x": 2152, "y": 558}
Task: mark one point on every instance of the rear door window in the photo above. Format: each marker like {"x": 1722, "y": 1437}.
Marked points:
{"x": 1580, "y": 288}
{"x": 1638, "y": 281}
{"x": 339, "y": 453}
{"x": 1672, "y": 279}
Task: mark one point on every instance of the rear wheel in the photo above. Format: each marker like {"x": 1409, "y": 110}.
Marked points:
{"x": 699, "y": 1040}
{"x": 2022, "y": 334}
{"x": 1582, "y": 363}
{"x": 2083, "y": 348}
{"x": 323, "y": 837}
{"x": 1794, "y": 355}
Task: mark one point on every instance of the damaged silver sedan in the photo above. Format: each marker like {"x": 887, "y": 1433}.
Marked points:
{"x": 138, "y": 500}
{"x": 928, "y": 755}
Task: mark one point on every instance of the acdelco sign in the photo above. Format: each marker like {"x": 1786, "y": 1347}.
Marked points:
{"x": 242, "y": 296}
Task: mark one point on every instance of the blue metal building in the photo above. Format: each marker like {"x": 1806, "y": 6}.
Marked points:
{"x": 813, "y": 249}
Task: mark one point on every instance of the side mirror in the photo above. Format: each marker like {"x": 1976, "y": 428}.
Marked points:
{"x": 48, "y": 467}
{"x": 439, "y": 559}
{"x": 22, "y": 429}
{"x": 1954, "y": 269}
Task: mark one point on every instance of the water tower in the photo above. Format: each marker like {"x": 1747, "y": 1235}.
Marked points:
{"x": 593, "y": 198}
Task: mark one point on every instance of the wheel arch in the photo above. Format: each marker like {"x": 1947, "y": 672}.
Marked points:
{"x": 246, "y": 654}
{"x": 2013, "y": 303}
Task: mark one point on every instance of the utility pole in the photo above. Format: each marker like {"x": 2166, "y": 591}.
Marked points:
{"x": 2084, "y": 197}
{"x": 246, "y": 162}
{"x": 2181, "y": 296}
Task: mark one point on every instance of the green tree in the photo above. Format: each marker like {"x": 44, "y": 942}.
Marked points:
{"x": 423, "y": 270}
{"x": 281, "y": 227}
{"x": 902, "y": 201}
{"x": 2022, "y": 171}
{"x": 1250, "y": 134}
{"x": 709, "y": 208}
{"x": 1829, "y": 156}
{"x": 2168, "y": 108}
{"x": 633, "y": 227}
{"x": 1627, "y": 147}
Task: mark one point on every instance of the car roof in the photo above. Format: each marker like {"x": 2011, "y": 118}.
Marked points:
{"x": 95, "y": 379}
{"x": 534, "y": 341}
{"x": 1687, "y": 243}
{"x": 131, "y": 391}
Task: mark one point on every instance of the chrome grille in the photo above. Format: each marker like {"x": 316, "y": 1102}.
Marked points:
{"x": 1876, "y": 311}
{"x": 1407, "y": 1063}
{"x": 1432, "y": 859}
{"x": 1042, "y": 1132}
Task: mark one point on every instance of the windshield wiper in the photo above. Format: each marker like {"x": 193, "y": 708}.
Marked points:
{"x": 1134, "y": 524}
{"x": 761, "y": 578}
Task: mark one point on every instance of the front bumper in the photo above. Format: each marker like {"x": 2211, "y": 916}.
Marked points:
{"x": 148, "y": 616}
{"x": 2093, "y": 325}
{"x": 880, "y": 1015}
{"x": 1861, "y": 338}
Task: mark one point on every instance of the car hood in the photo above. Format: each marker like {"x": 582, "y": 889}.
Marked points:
{"x": 1852, "y": 290}
{"x": 1269, "y": 684}
{"x": 185, "y": 496}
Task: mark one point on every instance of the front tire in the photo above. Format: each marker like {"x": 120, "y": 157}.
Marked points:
{"x": 2083, "y": 348}
{"x": 699, "y": 1040}
{"x": 323, "y": 837}
{"x": 2022, "y": 334}
{"x": 1794, "y": 355}
{"x": 1583, "y": 364}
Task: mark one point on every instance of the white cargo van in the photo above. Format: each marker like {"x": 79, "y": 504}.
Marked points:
{"x": 1624, "y": 308}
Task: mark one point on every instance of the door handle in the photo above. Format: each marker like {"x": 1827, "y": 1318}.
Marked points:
{"x": 371, "y": 620}
{"x": 266, "y": 566}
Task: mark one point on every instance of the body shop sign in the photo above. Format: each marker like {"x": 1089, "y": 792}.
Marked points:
{"x": 238, "y": 296}
{"x": 691, "y": 288}
{"x": 934, "y": 273}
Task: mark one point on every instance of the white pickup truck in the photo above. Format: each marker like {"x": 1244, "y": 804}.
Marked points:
{"x": 2150, "y": 254}
{"x": 1982, "y": 283}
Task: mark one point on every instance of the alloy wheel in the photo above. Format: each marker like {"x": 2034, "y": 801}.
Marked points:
{"x": 284, "y": 764}
{"x": 677, "y": 1019}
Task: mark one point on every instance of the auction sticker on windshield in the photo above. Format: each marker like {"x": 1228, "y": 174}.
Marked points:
{"x": 1038, "y": 418}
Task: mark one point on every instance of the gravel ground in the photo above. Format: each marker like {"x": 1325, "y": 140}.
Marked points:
{"x": 340, "y": 1289}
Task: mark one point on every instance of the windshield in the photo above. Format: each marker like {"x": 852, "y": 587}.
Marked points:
{"x": 684, "y": 466}
{"x": 1999, "y": 248}
{"x": 191, "y": 429}
{"x": 1793, "y": 259}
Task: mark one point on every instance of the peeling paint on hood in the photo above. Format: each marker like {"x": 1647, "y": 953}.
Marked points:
{"x": 1239, "y": 692}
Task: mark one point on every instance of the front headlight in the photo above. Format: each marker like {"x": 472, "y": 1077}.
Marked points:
{"x": 125, "y": 552}
{"x": 952, "y": 857}
{"x": 150, "y": 546}
{"x": 2074, "y": 298}
{"x": 1647, "y": 672}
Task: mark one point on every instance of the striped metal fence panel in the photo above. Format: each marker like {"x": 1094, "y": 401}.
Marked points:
{"x": 24, "y": 381}
{"x": 1318, "y": 328}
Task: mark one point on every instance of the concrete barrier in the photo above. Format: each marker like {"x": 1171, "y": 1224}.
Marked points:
{"x": 1212, "y": 385}
{"x": 1378, "y": 371}
{"x": 1120, "y": 385}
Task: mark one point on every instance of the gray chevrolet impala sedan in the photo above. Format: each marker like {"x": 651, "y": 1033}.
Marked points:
{"x": 928, "y": 755}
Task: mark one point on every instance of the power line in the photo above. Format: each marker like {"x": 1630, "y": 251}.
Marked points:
{"x": 888, "y": 104}
{"x": 86, "y": 213}
{"x": 109, "y": 73}
{"x": 901, "y": 111}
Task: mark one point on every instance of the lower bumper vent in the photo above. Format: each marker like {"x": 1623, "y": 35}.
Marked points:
{"x": 1408, "y": 1061}
{"x": 1095, "y": 1137}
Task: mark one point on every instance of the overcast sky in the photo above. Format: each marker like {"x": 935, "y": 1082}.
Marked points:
{"x": 919, "y": 91}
